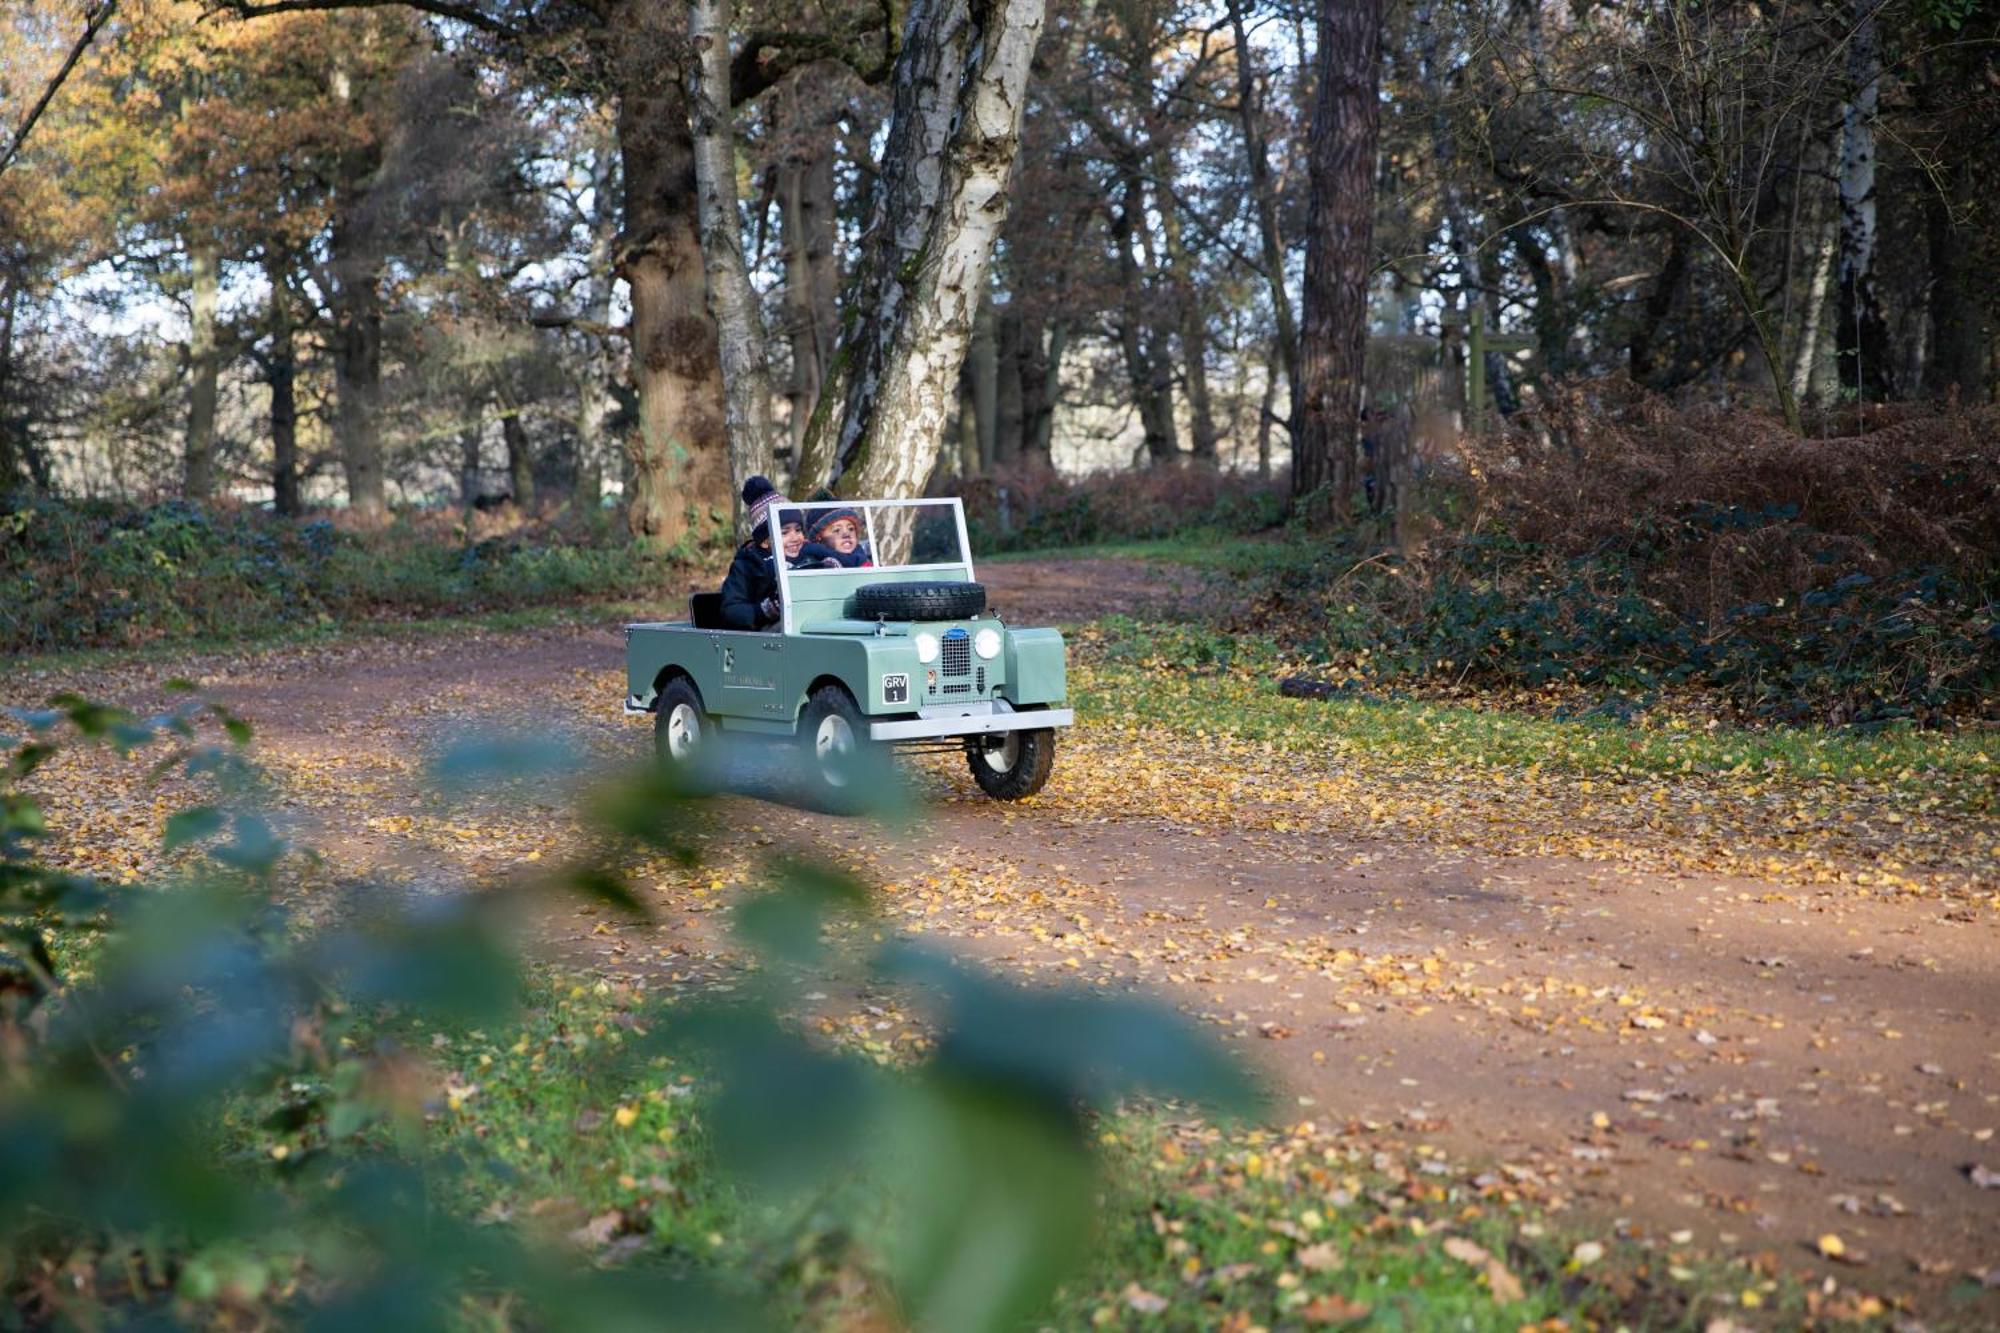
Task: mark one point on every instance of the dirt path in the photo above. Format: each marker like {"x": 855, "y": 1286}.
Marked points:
{"x": 1753, "y": 1062}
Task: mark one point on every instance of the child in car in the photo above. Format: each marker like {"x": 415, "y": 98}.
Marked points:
{"x": 839, "y": 530}
{"x": 750, "y": 592}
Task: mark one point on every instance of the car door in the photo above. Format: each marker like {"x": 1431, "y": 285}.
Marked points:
{"x": 752, "y": 670}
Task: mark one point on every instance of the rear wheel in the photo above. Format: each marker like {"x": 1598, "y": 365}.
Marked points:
{"x": 1014, "y": 764}
{"x": 685, "y": 738}
{"x": 837, "y": 750}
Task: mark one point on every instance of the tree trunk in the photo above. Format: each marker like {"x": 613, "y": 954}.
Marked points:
{"x": 1641, "y": 350}
{"x": 680, "y": 452}
{"x": 11, "y": 427}
{"x": 1009, "y": 417}
{"x": 357, "y": 368}
{"x": 961, "y": 83}
{"x": 1264, "y": 191}
{"x": 281, "y": 373}
{"x": 1156, "y": 409}
{"x": 520, "y": 458}
{"x": 812, "y": 273}
{"x": 1958, "y": 342}
{"x": 596, "y": 403}
{"x": 1339, "y": 250}
{"x": 982, "y": 356}
{"x": 1273, "y": 364}
{"x": 1041, "y": 387}
{"x": 1862, "y": 337}
{"x": 1806, "y": 354}
{"x": 470, "y": 438}
{"x": 204, "y": 292}
{"x": 739, "y": 320}
{"x": 1192, "y": 320}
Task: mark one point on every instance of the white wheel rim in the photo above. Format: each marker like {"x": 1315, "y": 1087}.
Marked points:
{"x": 1001, "y": 758}
{"x": 683, "y": 731}
{"x": 833, "y": 746}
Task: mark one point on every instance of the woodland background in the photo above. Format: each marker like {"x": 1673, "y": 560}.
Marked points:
{"x": 1690, "y": 306}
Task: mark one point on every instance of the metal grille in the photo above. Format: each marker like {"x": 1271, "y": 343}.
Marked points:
{"x": 957, "y": 656}
{"x": 980, "y": 681}
{"x": 960, "y": 688}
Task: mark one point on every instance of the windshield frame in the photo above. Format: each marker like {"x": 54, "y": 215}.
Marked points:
{"x": 867, "y": 510}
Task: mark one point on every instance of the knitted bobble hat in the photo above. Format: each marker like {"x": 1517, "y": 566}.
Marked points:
{"x": 826, "y": 518}
{"x": 758, "y": 497}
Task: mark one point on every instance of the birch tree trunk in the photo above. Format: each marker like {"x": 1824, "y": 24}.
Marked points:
{"x": 1805, "y": 354}
{"x": 679, "y": 456}
{"x": 595, "y": 402}
{"x": 1265, "y": 192}
{"x": 739, "y": 320}
{"x": 1861, "y": 338}
{"x": 960, "y": 88}
{"x": 204, "y": 292}
{"x": 1339, "y": 242}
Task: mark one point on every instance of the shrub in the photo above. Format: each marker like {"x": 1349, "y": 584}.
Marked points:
{"x": 93, "y": 573}
{"x": 1039, "y": 509}
{"x": 1612, "y": 539}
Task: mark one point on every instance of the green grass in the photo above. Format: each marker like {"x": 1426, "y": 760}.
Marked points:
{"x": 1194, "y": 680}
{"x": 559, "y": 1126}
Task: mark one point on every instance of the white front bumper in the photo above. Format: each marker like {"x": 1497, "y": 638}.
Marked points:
{"x": 969, "y": 720}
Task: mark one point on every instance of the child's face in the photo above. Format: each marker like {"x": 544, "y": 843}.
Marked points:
{"x": 842, "y": 535}
{"x": 794, "y": 538}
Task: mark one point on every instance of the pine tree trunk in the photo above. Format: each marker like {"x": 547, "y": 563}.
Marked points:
{"x": 960, "y": 88}
{"x": 281, "y": 373}
{"x": 1264, "y": 190}
{"x": 739, "y": 319}
{"x": 1339, "y": 249}
{"x": 680, "y": 454}
{"x": 204, "y": 368}
{"x": 1861, "y": 338}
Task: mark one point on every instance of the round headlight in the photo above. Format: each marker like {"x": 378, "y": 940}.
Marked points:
{"x": 987, "y": 643}
{"x": 927, "y": 647}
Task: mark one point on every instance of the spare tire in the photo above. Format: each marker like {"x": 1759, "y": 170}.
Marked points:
{"x": 919, "y": 601}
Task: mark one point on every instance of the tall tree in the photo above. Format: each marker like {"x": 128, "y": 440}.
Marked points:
{"x": 1339, "y": 252}
{"x": 959, "y": 90}
{"x": 1862, "y": 334}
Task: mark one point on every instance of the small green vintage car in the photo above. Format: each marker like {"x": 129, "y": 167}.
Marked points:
{"x": 904, "y": 652}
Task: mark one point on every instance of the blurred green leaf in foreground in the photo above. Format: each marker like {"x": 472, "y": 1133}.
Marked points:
{"x": 967, "y": 1179}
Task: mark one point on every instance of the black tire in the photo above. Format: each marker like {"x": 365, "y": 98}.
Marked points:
{"x": 1013, "y": 765}
{"x": 685, "y": 738}
{"x": 840, "y": 760}
{"x": 919, "y": 601}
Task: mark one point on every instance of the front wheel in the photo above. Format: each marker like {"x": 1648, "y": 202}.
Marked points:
{"x": 838, "y": 751}
{"x": 1013, "y": 765}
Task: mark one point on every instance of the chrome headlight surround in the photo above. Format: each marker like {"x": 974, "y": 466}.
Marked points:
{"x": 987, "y": 643}
{"x": 927, "y": 648}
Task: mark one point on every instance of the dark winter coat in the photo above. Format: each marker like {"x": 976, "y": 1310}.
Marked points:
{"x": 753, "y": 579}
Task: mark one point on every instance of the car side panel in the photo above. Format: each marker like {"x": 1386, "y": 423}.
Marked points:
{"x": 651, "y": 650}
{"x": 1035, "y": 669}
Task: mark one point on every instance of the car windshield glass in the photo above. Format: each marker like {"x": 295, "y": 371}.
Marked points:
{"x": 882, "y": 534}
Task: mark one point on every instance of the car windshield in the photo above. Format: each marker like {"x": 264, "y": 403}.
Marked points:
{"x": 883, "y": 534}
